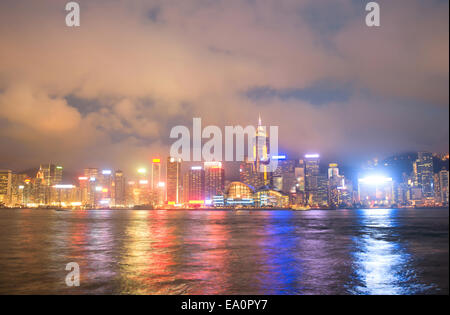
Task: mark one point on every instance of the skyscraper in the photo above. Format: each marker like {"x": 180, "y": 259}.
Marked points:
{"x": 5, "y": 186}
{"x": 424, "y": 169}
{"x": 312, "y": 178}
{"x": 119, "y": 191}
{"x": 443, "y": 180}
{"x": 196, "y": 183}
{"x": 333, "y": 170}
{"x": 284, "y": 175}
{"x": 156, "y": 173}
{"x": 261, "y": 153}
{"x": 321, "y": 198}
{"x": 185, "y": 187}
{"x": 106, "y": 182}
{"x": 173, "y": 180}
{"x": 300, "y": 192}
{"x": 214, "y": 179}
{"x": 92, "y": 175}
{"x": 51, "y": 174}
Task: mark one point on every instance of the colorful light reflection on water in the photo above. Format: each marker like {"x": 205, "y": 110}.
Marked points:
{"x": 380, "y": 251}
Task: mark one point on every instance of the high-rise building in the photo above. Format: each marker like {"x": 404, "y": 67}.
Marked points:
{"x": 336, "y": 185}
{"x": 196, "y": 183}
{"x": 333, "y": 170}
{"x": 173, "y": 180}
{"x": 321, "y": 197}
{"x": 49, "y": 175}
{"x": 437, "y": 188}
{"x": 93, "y": 181}
{"x": 424, "y": 173}
{"x": 312, "y": 162}
{"x": 156, "y": 173}
{"x": 5, "y": 186}
{"x": 20, "y": 193}
{"x": 185, "y": 187}
{"x": 260, "y": 174}
{"x": 284, "y": 178}
{"x": 106, "y": 182}
{"x": 119, "y": 191}
{"x": 83, "y": 189}
{"x": 214, "y": 179}
{"x": 443, "y": 181}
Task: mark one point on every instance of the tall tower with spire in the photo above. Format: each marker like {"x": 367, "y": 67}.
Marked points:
{"x": 261, "y": 152}
{"x": 255, "y": 172}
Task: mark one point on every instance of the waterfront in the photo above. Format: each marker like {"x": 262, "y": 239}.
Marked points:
{"x": 375, "y": 251}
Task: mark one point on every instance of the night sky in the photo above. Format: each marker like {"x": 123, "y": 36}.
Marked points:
{"x": 107, "y": 94}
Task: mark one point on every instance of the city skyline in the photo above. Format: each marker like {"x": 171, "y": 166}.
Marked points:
{"x": 242, "y": 148}
{"x": 419, "y": 179}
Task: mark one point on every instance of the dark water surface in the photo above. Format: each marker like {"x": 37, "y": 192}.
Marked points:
{"x": 224, "y": 252}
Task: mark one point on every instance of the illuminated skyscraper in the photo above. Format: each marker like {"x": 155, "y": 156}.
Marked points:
{"x": 443, "y": 179}
{"x": 5, "y": 186}
{"x": 83, "y": 184}
{"x": 92, "y": 175}
{"x": 322, "y": 191}
{"x": 261, "y": 153}
{"x": 106, "y": 182}
{"x": 156, "y": 173}
{"x": 424, "y": 173}
{"x": 185, "y": 187}
{"x": 284, "y": 175}
{"x": 214, "y": 179}
{"x": 312, "y": 178}
{"x": 51, "y": 174}
{"x": 119, "y": 191}
{"x": 173, "y": 180}
{"x": 333, "y": 170}
{"x": 336, "y": 185}
{"x": 300, "y": 191}
{"x": 196, "y": 183}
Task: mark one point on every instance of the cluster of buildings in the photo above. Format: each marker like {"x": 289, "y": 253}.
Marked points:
{"x": 295, "y": 183}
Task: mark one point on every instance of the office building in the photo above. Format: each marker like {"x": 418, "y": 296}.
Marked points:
{"x": 214, "y": 179}
{"x": 196, "y": 183}
{"x": 173, "y": 180}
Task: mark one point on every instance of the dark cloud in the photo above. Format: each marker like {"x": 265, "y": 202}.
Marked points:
{"x": 110, "y": 91}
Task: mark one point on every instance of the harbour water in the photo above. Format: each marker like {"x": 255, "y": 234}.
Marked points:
{"x": 376, "y": 251}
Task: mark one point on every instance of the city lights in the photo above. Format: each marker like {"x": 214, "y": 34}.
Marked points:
{"x": 294, "y": 184}
{"x": 215, "y": 155}
{"x": 64, "y": 186}
{"x": 196, "y": 202}
{"x": 375, "y": 180}
{"x": 142, "y": 171}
